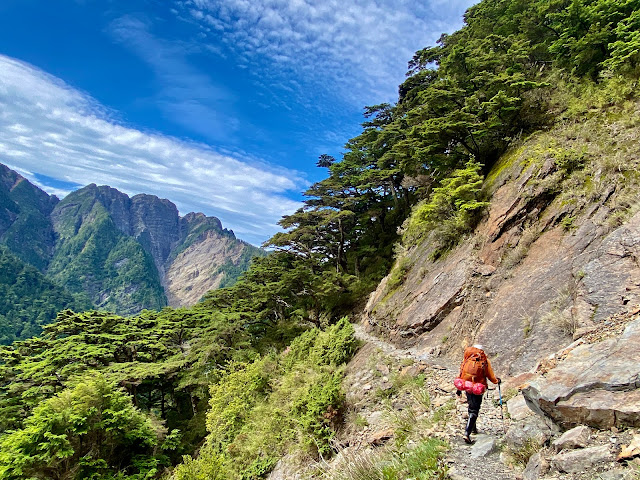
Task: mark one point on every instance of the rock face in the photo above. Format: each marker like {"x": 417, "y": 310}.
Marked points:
{"x": 536, "y": 271}
{"x": 575, "y": 461}
{"x": 577, "y": 437}
{"x": 155, "y": 224}
{"x": 197, "y": 269}
{"x": 536, "y": 467}
{"x": 595, "y": 384}
{"x": 518, "y": 409}
{"x": 534, "y": 429}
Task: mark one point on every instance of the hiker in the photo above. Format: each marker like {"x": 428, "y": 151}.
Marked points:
{"x": 474, "y": 371}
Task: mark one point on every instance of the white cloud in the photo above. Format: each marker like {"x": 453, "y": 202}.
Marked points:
{"x": 185, "y": 95}
{"x": 49, "y": 128}
{"x": 358, "y": 49}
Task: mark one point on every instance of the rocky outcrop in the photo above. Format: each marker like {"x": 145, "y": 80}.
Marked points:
{"x": 541, "y": 267}
{"x": 155, "y": 223}
{"x": 199, "y": 267}
{"x": 577, "y": 437}
{"x": 576, "y": 461}
{"x": 594, "y": 384}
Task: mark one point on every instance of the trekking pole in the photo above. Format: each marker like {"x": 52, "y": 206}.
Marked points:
{"x": 501, "y": 413}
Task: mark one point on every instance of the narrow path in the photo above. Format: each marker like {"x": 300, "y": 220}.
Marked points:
{"x": 462, "y": 460}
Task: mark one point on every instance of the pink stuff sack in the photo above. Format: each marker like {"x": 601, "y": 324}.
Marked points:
{"x": 478, "y": 388}
{"x": 469, "y": 386}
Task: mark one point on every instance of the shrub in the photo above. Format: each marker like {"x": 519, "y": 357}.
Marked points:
{"x": 453, "y": 210}
{"x": 274, "y": 405}
{"x": 90, "y": 431}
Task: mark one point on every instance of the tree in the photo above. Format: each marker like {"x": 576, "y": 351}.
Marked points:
{"x": 89, "y": 431}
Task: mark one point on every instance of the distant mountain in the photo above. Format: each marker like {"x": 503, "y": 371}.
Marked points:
{"x": 29, "y": 300}
{"x": 97, "y": 255}
{"x": 25, "y": 226}
{"x": 134, "y": 253}
{"x": 119, "y": 253}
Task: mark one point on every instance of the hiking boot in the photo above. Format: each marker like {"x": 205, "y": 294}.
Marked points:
{"x": 467, "y": 439}
{"x": 474, "y": 430}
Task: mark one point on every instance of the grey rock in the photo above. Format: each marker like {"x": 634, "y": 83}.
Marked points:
{"x": 532, "y": 429}
{"x": 484, "y": 446}
{"x": 536, "y": 467}
{"x": 575, "y": 461}
{"x": 577, "y": 437}
{"x": 616, "y": 475}
{"x": 518, "y": 408}
{"x": 596, "y": 384}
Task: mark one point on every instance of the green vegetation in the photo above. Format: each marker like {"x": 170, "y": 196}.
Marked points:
{"x": 90, "y": 431}
{"x": 29, "y": 299}
{"x": 233, "y": 271}
{"x": 25, "y": 227}
{"x": 95, "y": 258}
{"x": 515, "y": 68}
{"x": 274, "y": 405}
{"x": 420, "y": 462}
{"x": 451, "y": 211}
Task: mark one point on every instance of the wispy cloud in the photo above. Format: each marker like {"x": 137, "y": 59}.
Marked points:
{"x": 48, "y": 129}
{"x": 185, "y": 94}
{"x": 358, "y": 49}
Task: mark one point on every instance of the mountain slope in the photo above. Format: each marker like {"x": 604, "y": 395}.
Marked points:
{"x": 24, "y": 219}
{"x": 130, "y": 254}
{"x": 208, "y": 257}
{"x": 556, "y": 254}
{"x": 93, "y": 256}
{"x": 29, "y": 300}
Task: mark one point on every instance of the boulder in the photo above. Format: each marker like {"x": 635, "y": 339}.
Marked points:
{"x": 616, "y": 475}
{"x": 601, "y": 409}
{"x": 537, "y": 466}
{"x": 518, "y": 408}
{"x": 575, "y": 461}
{"x": 595, "y": 384}
{"x": 484, "y": 446}
{"x": 532, "y": 429}
{"x": 577, "y": 437}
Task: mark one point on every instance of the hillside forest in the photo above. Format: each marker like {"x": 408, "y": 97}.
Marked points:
{"x": 224, "y": 389}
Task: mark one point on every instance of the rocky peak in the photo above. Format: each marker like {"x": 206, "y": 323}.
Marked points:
{"x": 117, "y": 204}
{"x": 155, "y": 224}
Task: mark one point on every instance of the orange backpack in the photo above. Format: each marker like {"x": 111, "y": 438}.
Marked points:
{"x": 473, "y": 368}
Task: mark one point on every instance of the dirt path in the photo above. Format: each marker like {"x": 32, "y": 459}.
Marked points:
{"x": 466, "y": 462}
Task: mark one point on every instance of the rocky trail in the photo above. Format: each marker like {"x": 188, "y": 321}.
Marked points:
{"x": 380, "y": 393}
{"x": 480, "y": 460}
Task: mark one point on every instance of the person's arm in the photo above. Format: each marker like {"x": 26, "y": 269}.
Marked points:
{"x": 490, "y": 375}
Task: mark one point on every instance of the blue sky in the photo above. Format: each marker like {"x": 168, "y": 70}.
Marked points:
{"x": 221, "y": 106}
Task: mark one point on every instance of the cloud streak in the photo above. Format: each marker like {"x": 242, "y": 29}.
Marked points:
{"x": 48, "y": 129}
{"x": 358, "y": 49}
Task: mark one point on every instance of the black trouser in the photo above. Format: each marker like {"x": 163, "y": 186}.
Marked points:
{"x": 474, "y": 402}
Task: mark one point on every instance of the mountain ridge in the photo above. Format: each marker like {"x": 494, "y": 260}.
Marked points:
{"x": 125, "y": 254}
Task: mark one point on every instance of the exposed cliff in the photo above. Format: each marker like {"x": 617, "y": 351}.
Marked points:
{"x": 208, "y": 257}
{"x": 556, "y": 254}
